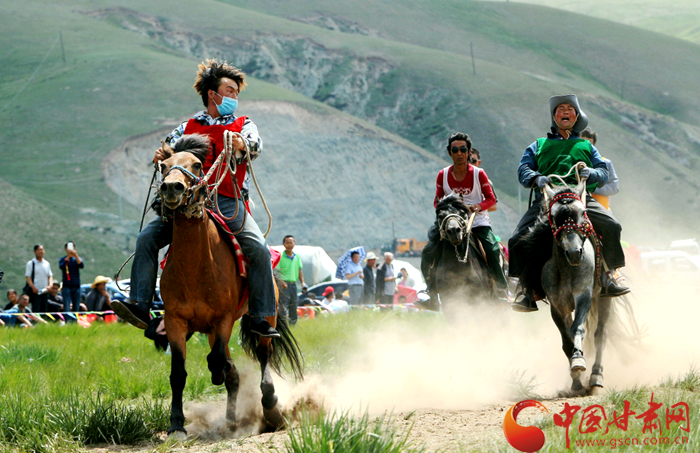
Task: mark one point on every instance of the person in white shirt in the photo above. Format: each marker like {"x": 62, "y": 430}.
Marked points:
{"x": 39, "y": 279}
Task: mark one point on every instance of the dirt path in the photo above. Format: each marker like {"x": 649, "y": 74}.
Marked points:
{"x": 446, "y": 430}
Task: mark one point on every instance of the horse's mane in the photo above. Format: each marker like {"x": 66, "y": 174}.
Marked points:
{"x": 453, "y": 200}
{"x": 196, "y": 144}
{"x": 537, "y": 247}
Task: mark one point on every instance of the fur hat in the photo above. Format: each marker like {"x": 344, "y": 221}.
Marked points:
{"x": 556, "y": 101}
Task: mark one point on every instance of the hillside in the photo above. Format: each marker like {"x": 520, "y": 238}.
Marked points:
{"x": 25, "y": 222}
{"x": 386, "y": 72}
{"x": 389, "y": 95}
{"x": 680, "y": 18}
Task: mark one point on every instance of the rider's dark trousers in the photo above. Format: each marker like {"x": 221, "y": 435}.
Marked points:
{"x": 493, "y": 254}
{"x": 604, "y": 224}
{"x": 488, "y": 241}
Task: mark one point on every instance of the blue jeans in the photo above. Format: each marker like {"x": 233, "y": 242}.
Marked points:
{"x": 158, "y": 234}
{"x": 71, "y": 293}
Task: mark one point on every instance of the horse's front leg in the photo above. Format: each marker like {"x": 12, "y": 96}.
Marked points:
{"x": 177, "y": 336}
{"x": 604, "y": 305}
{"x": 577, "y": 362}
{"x": 223, "y": 371}
{"x": 269, "y": 399}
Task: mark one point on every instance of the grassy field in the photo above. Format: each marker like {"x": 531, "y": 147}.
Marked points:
{"x": 65, "y": 387}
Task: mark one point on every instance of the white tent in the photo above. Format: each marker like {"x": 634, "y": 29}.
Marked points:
{"x": 318, "y": 266}
{"x": 414, "y": 273}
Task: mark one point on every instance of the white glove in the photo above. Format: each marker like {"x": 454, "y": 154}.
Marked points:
{"x": 584, "y": 173}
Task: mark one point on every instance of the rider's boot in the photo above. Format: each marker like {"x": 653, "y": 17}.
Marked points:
{"x": 135, "y": 314}
{"x": 611, "y": 288}
{"x": 525, "y": 302}
{"x": 263, "y": 328}
{"x": 423, "y": 301}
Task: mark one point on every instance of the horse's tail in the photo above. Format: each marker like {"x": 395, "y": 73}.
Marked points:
{"x": 283, "y": 348}
{"x": 622, "y": 329}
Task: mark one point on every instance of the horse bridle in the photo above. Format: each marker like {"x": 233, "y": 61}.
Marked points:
{"x": 584, "y": 229}
{"x": 192, "y": 207}
{"x": 462, "y": 225}
{"x": 195, "y": 208}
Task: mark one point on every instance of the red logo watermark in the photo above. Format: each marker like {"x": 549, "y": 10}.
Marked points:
{"x": 593, "y": 419}
{"x": 527, "y": 439}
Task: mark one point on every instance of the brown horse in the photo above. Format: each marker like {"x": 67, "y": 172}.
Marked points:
{"x": 201, "y": 288}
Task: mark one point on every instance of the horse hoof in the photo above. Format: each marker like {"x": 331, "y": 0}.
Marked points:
{"x": 274, "y": 418}
{"x": 577, "y": 389}
{"x": 596, "y": 381}
{"x": 578, "y": 364}
{"x": 177, "y": 436}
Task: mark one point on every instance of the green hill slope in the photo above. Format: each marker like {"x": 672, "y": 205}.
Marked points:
{"x": 411, "y": 77}
{"x": 680, "y": 18}
{"x": 404, "y": 67}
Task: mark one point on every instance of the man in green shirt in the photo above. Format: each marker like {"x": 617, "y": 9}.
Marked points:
{"x": 290, "y": 269}
{"x": 555, "y": 154}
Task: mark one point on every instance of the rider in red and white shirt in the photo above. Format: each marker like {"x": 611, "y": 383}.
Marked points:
{"x": 476, "y": 191}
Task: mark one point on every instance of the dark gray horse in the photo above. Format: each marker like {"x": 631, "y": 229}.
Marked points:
{"x": 459, "y": 267}
{"x": 564, "y": 240}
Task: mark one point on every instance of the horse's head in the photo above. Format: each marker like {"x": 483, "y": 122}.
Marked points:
{"x": 451, "y": 216}
{"x": 568, "y": 220}
{"x": 182, "y": 173}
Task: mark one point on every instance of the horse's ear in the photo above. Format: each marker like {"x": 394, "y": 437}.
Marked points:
{"x": 167, "y": 149}
{"x": 548, "y": 192}
{"x": 581, "y": 189}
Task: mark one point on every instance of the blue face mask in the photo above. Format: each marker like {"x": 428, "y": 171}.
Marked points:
{"x": 228, "y": 105}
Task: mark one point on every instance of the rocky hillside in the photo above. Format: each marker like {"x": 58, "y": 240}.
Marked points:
{"x": 329, "y": 179}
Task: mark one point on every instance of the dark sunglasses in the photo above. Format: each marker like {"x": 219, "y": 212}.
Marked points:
{"x": 461, "y": 149}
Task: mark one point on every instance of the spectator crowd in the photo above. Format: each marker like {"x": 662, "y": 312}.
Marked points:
{"x": 44, "y": 294}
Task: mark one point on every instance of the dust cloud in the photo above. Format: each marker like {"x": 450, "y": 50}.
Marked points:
{"x": 490, "y": 355}
{"x": 484, "y": 356}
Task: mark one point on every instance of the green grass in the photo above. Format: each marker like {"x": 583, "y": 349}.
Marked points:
{"x": 340, "y": 432}
{"x": 65, "y": 387}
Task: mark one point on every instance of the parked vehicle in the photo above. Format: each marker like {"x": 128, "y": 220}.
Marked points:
{"x": 670, "y": 262}
{"x": 405, "y": 247}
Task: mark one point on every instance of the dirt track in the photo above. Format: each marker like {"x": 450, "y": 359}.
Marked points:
{"x": 446, "y": 430}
